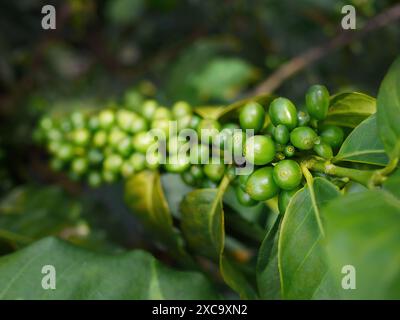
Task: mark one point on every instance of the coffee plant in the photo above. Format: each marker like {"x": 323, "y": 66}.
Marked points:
{"x": 286, "y": 201}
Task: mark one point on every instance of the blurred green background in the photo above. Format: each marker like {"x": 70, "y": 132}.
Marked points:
{"x": 124, "y": 51}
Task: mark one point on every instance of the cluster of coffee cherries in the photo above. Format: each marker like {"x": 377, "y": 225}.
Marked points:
{"x": 289, "y": 135}
{"x": 103, "y": 146}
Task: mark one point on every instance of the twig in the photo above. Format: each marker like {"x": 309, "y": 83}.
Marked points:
{"x": 345, "y": 37}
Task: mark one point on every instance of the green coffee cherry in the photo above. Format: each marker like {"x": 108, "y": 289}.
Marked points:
{"x": 194, "y": 122}
{"x": 95, "y": 156}
{"x": 303, "y": 118}
{"x": 208, "y": 129}
{"x": 148, "y": 109}
{"x": 281, "y": 134}
{"x": 162, "y": 113}
{"x": 194, "y": 176}
{"x": 142, "y": 141}
{"x": 54, "y": 135}
{"x": 106, "y": 119}
{"x": 178, "y": 164}
{"x": 77, "y": 119}
{"x": 115, "y": 136}
{"x": 54, "y": 146}
{"x": 188, "y": 178}
{"x": 124, "y": 148}
{"x": 197, "y": 172}
{"x": 184, "y": 122}
{"x": 79, "y": 166}
{"x": 46, "y": 123}
{"x": 261, "y": 185}
{"x": 127, "y": 169}
{"x": 113, "y": 163}
{"x": 303, "y": 138}
{"x": 284, "y": 198}
{"x": 124, "y": 119}
{"x": 244, "y": 198}
{"x": 269, "y": 130}
{"x": 81, "y": 137}
{"x": 94, "y": 179}
{"x": 332, "y": 135}
{"x": 181, "y": 109}
{"x": 283, "y": 111}
{"x": 163, "y": 125}
{"x": 100, "y": 139}
{"x": 93, "y": 123}
{"x": 289, "y": 151}
{"x": 287, "y": 174}
{"x": 65, "y": 152}
{"x": 138, "y": 161}
{"x": 252, "y": 116}
{"x": 207, "y": 183}
{"x": 214, "y": 172}
{"x": 259, "y": 150}
{"x": 279, "y": 156}
{"x": 133, "y": 98}
{"x": 324, "y": 150}
{"x": 109, "y": 176}
{"x": 138, "y": 124}
{"x": 317, "y": 101}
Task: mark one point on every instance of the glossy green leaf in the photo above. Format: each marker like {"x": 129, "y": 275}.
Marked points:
{"x": 235, "y": 279}
{"x": 350, "y": 109}
{"x": 363, "y": 232}
{"x": 83, "y": 274}
{"x": 203, "y": 222}
{"x": 222, "y": 78}
{"x": 268, "y": 280}
{"x": 28, "y": 213}
{"x": 182, "y": 75}
{"x": 174, "y": 190}
{"x": 145, "y": 196}
{"x": 363, "y": 145}
{"x": 389, "y": 111}
{"x": 203, "y": 228}
{"x": 303, "y": 267}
